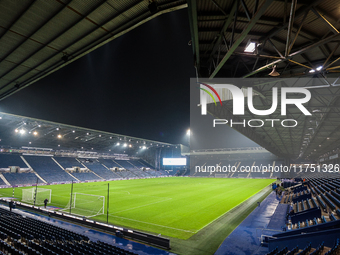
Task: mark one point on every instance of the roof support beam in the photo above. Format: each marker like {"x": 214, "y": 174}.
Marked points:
{"x": 298, "y": 13}
{"x": 297, "y": 33}
{"x": 192, "y": 8}
{"x": 330, "y": 55}
{"x": 245, "y": 9}
{"x": 332, "y": 28}
{"x": 299, "y": 52}
{"x": 277, "y": 51}
{"x": 290, "y": 25}
{"x": 234, "y": 24}
{"x": 245, "y": 32}
{"x": 224, "y": 28}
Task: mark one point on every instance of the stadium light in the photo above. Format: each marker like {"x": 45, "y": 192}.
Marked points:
{"x": 118, "y": 144}
{"x": 22, "y": 131}
{"x": 188, "y": 132}
{"x": 316, "y": 69}
{"x": 143, "y": 147}
{"x": 16, "y": 130}
{"x": 35, "y": 133}
{"x": 251, "y": 46}
{"x": 125, "y": 145}
{"x": 130, "y": 145}
{"x": 59, "y": 136}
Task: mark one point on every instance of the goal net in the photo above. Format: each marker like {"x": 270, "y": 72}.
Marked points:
{"x": 29, "y": 194}
{"x": 85, "y": 205}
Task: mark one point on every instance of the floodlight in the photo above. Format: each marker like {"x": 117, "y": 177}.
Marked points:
{"x": 59, "y": 136}
{"x": 316, "y": 69}
{"x": 16, "y": 130}
{"x": 143, "y": 147}
{"x": 118, "y": 144}
{"x": 125, "y": 145}
{"x": 188, "y": 132}
{"x": 22, "y": 131}
{"x": 35, "y": 133}
{"x": 250, "y": 46}
{"x": 130, "y": 145}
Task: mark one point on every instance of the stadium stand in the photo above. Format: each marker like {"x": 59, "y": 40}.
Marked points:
{"x": 132, "y": 170}
{"x": 7, "y": 160}
{"x": 20, "y": 178}
{"x": 24, "y": 235}
{"x": 48, "y": 169}
{"x": 99, "y": 170}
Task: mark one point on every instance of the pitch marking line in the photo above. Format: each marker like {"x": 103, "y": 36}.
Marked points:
{"x": 149, "y": 223}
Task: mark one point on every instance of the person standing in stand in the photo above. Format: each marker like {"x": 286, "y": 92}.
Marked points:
{"x": 45, "y": 202}
{"x": 11, "y": 204}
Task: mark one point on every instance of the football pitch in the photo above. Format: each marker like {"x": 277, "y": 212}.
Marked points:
{"x": 175, "y": 207}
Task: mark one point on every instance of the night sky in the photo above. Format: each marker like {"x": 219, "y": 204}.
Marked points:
{"x": 137, "y": 85}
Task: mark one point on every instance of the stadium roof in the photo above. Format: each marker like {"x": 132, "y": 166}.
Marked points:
{"x": 301, "y": 38}
{"x": 38, "y": 37}
{"x": 23, "y": 132}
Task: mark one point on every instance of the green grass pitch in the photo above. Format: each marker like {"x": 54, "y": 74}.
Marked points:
{"x": 175, "y": 207}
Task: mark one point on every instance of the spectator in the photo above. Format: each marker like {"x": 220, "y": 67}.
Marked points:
{"x": 11, "y": 204}
{"x": 45, "y": 202}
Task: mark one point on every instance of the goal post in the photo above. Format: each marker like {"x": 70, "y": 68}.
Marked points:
{"x": 87, "y": 205}
{"x": 28, "y": 195}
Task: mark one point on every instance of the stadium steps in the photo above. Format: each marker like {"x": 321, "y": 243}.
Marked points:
{"x": 4, "y": 179}
{"x": 119, "y": 176}
{"x": 271, "y": 175}
{"x": 125, "y": 168}
{"x": 248, "y": 176}
{"x": 29, "y": 166}
{"x": 238, "y": 165}
{"x": 137, "y": 170}
{"x": 64, "y": 168}
{"x": 90, "y": 170}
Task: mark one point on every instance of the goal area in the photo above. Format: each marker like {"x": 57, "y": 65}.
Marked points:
{"x": 41, "y": 194}
{"x": 87, "y": 205}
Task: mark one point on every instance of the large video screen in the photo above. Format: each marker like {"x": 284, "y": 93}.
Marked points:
{"x": 174, "y": 161}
